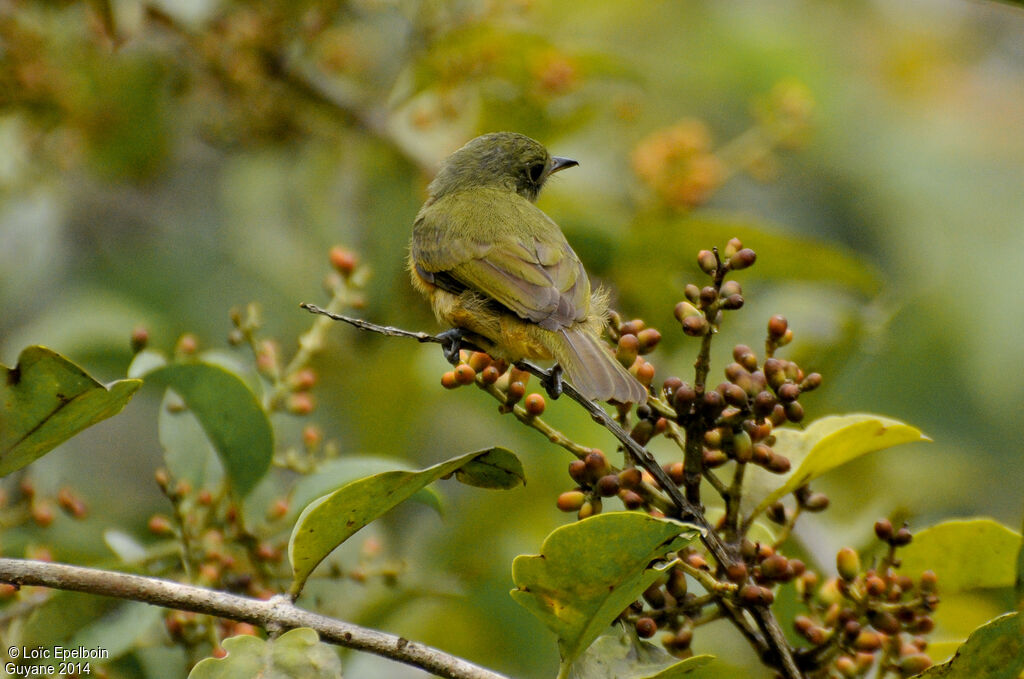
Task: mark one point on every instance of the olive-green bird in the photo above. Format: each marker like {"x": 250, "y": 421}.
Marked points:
{"x": 499, "y": 270}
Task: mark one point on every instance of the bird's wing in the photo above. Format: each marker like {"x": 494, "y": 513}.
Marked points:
{"x": 535, "y": 274}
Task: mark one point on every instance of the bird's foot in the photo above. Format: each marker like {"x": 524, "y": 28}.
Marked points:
{"x": 451, "y": 344}
{"x": 552, "y": 381}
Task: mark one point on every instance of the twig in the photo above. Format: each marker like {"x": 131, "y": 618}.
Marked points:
{"x": 773, "y": 645}
{"x": 277, "y": 613}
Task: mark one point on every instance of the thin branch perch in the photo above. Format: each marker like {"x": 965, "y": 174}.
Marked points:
{"x": 276, "y": 614}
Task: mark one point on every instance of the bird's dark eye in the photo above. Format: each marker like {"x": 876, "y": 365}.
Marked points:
{"x": 536, "y": 172}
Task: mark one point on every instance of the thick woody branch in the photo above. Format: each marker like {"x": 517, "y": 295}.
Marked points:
{"x": 277, "y": 614}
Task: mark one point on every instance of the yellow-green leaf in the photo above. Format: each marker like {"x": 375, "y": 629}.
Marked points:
{"x": 330, "y": 520}
{"x": 682, "y": 668}
{"x": 621, "y": 654}
{"x": 965, "y": 554}
{"x": 45, "y": 400}
{"x": 589, "y": 571}
{"x": 296, "y": 654}
{"x": 831, "y": 442}
{"x": 993, "y": 651}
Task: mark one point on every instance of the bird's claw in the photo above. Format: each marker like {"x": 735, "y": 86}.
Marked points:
{"x": 552, "y": 381}
{"x": 451, "y": 344}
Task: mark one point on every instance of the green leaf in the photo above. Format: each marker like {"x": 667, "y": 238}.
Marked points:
{"x": 45, "y": 400}
{"x": 497, "y": 469}
{"x": 333, "y": 518}
{"x": 336, "y": 473}
{"x": 1019, "y": 583}
{"x": 230, "y": 415}
{"x": 296, "y": 654}
{"x": 119, "y": 631}
{"x": 621, "y": 654}
{"x": 829, "y": 443}
{"x": 965, "y": 554}
{"x": 589, "y": 571}
{"x": 993, "y": 651}
{"x": 188, "y": 453}
{"x": 124, "y": 546}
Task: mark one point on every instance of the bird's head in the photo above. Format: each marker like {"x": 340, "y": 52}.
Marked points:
{"x": 500, "y": 160}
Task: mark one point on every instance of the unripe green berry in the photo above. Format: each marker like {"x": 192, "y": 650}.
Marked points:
{"x": 648, "y": 338}
{"x": 794, "y": 411}
{"x": 692, "y": 292}
{"x": 683, "y": 398}
{"x": 788, "y": 392}
{"x": 627, "y": 350}
{"x": 811, "y": 382}
{"x": 776, "y": 513}
{"x": 713, "y": 458}
{"x": 732, "y": 247}
{"x": 884, "y": 621}
{"x": 846, "y": 666}
{"x": 742, "y": 447}
{"x": 608, "y": 485}
{"x": 631, "y": 499}
{"x": 778, "y": 464}
{"x": 777, "y": 327}
{"x": 589, "y": 508}
{"x": 848, "y": 563}
{"x": 571, "y": 501}
{"x": 707, "y": 261}
{"x": 597, "y": 464}
{"x": 735, "y": 396}
{"x": 630, "y": 477}
{"x": 632, "y": 327}
{"x": 695, "y": 326}
{"x": 914, "y": 664}
{"x": 736, "y": 572}
{"x": 742, "y": 259}
{"x": 816, "y": 502}
{"x": 901, "y": 538}
{"x": 139, "y": 339}
{"x": 929, "y": 581}
{"x": 578, "y": 470}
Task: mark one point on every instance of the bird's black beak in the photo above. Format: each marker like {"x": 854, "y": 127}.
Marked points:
{"x": 558, "y": 163}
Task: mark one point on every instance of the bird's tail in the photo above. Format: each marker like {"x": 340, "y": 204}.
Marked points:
{"x": 593, "y": 370}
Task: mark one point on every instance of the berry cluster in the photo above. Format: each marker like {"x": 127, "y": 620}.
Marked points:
{"x": 506, "y": 383}
{"x": 866, "y": 620}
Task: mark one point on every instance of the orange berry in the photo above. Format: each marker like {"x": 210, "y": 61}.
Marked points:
{"x": 343, "y": 260}
{"x": 464, "y": 374}
{"x": 534, "y": 404}
{"x": 160, "y": 525}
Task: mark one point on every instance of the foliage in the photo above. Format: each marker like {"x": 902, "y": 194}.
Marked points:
{"x": 163, "y": 161}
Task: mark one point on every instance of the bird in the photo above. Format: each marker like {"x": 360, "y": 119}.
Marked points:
{"x": 501, "y": 273}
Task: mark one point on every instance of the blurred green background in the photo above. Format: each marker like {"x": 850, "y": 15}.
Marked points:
{"x": 161, "y": 163}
